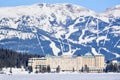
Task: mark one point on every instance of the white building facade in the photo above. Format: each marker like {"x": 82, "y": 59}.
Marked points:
{"x": 69, "y": 63}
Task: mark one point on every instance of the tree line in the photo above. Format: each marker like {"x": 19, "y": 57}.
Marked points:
{"x": 112, "y": 67}
{"x": 10, "y": 58}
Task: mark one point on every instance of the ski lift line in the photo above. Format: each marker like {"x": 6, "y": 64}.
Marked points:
{"x": 106, "y": 37}
{"x": 107, "y": 32}
{"x": 61, "y": 47}
{"x": 40, "y": 44}
{"x": 35, "y": 32}
{"x": 69, "y": 45}
{"x": 83, "y": 31}
{"x": 97, "y": 27}
{"x": 97, "y": 30}
{"x": 117, "y": 43}
{"x": 87, "y": 22}
{"x": 99, "y": 50}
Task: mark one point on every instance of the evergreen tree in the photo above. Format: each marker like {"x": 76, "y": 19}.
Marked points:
{"x": 44, "y": 69}
{"x": 82, "y": 70}
{"x": 48, "y": 69}
{"x": 115, "y": 67}
{"x": 58, "y": 69}
{"x": 112, "y": 67}
{"x": 30, "y": 69}
{"x": 9, "y": 58}
{"x": 11, "y": 70}
{"x": 73, "y": 69}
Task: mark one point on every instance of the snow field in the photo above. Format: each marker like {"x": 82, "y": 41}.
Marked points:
{"x": 62, "y": 76}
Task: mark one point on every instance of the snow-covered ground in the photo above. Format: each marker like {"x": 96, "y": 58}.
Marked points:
{"x": 62, "y": 76}
{"x": 14, "y": 71}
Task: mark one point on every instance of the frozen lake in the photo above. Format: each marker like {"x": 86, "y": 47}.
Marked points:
{"x": 62, "y": 76}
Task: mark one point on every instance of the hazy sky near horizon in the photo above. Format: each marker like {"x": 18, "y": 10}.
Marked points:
{"x": 96, "y": 5}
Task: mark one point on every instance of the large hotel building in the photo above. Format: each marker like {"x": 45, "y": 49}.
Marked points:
{"x": 94, "y": 63}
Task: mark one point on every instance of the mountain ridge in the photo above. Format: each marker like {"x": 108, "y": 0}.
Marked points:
{"x": 60, "y": 29}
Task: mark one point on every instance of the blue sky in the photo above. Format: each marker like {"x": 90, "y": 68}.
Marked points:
{"x": 96, "y": 5}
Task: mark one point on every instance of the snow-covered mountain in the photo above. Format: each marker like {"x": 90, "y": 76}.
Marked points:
{"x": 60, "y": 29}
